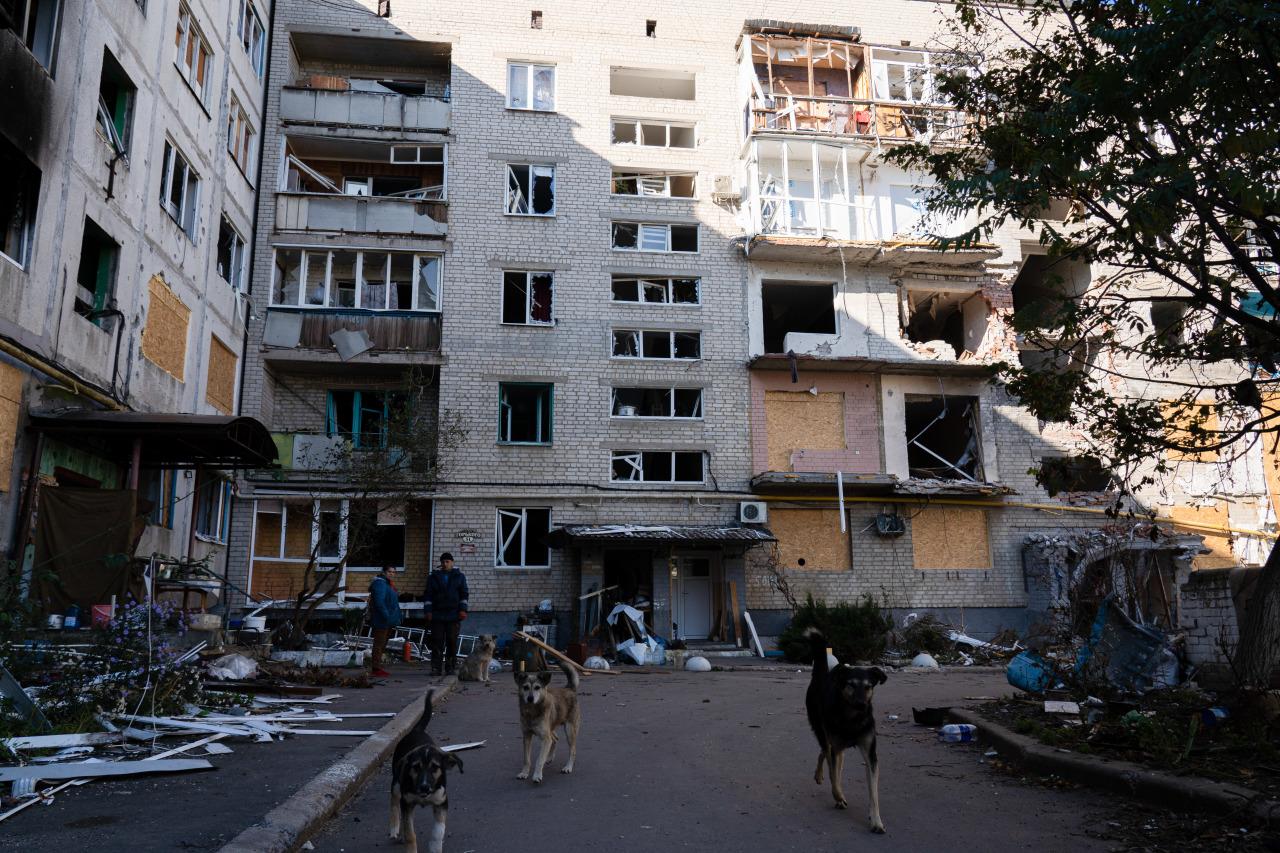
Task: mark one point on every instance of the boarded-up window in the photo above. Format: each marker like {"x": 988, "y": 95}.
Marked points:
{"x": 801, "y": 421}
{"x": 810, "y": 539}
{"x": 10, "y": 405}
{"x": 1196, "y": 428}
{"x": 220, "y": 387}
{"x": 1218, "y": 542}
{"x": 164, "y": 340}
{"x": 945, "y": 538}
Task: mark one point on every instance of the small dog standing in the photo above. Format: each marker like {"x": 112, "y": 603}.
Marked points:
{"x": 418, "y": 779}
{"x": 476, "y": 666}
{"x": 544, "y": 709}
{"x": 838, "y": 703}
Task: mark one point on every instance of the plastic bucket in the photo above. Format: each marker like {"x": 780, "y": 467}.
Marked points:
{"x": 1028, "y": 671}
{"x": 255, "y": 623}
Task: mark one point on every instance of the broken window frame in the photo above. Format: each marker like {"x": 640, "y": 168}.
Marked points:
{"x": 19, "y": 204}
{"x": 37, "y": 24}
{"x": 515, "y": 536}
{"x": 648, "y": 466}
{"x": 522, "y": 197}
{"x": 637, "y": 343}
{"x": 677, "y": 402}
{"x": 253, "y": 35}
{"x": 213, "y": 508}
{"x": 528, "y": 294}
{"x": 531, "y": 94}
{"x": 542, "y": 395}
{"x": 644, "y": 288}
{"x": 233, "y": 246}
{"x": 652, "y": 183}
{"x": 652, "y": 237}
{"x": 240, "y": 137}
{"x": 192, "y": 55}
{"x": 688, "y": 131}
{"x": 178, "y": 175}
{"x": 93, "y": 300}
{"x": 114, "y": 122}
{"x": 830, "y": 208}
{"x": 312, "y": 293}
{"x": 369, "y": 412}
{"x": 973, "y": 447}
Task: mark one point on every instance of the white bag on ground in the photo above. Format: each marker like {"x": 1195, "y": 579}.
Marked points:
{"x": 233, "y": 668}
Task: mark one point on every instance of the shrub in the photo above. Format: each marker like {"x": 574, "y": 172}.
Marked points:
{"x": 855, "y": 631}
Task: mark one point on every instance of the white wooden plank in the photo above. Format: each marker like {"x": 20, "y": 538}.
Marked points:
{"x": 103, "y": 768}
{"x": 58, "y": 741}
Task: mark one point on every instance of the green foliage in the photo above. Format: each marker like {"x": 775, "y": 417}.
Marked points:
{"x": 856, "y": 631}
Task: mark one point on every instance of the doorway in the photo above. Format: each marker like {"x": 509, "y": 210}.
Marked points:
{"x": 693, "y": 608}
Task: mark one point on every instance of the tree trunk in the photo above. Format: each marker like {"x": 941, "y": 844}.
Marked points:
{"x": 1260, "y": 631}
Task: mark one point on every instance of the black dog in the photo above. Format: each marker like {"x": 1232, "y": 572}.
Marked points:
{"x": 838, "y": 703}
{"x": 418, "y": 779}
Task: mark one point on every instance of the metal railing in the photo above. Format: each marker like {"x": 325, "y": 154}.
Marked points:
{"x": 870, "y": 120}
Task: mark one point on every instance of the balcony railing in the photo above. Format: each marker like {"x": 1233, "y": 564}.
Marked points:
{"x": 389, "y": 331}
{"x": 361, "y": 214}
{"x": 870, "y": 120}
{"x": 363, "y": 109}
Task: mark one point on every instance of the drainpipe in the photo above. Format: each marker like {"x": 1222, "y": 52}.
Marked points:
{"x": 66, "y": 379}
{"x": 195, "y": 509}
{"x": 115, "y": 365}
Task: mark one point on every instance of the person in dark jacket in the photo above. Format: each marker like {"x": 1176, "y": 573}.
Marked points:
{"x": 445, "y": 606}
{"x": 384, "y": 614}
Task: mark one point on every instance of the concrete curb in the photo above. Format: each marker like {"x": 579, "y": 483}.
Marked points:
{"x": 288, "y": 825}
{"x": 1184, "y": 792}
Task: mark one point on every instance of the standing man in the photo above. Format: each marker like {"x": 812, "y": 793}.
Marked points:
{"x": 445, "y": 608}
{"x": 384, "y": 614}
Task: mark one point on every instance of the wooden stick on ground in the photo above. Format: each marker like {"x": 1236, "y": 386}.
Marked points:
{"x": 737, "y": 620}
{"x": 579, "y": 667}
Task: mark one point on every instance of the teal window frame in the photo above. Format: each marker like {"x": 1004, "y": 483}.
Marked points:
{"x": 370, "y": 411}
{"x": 509, "y": 410}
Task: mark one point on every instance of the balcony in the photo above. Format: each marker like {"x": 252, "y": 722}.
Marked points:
{"x": 352, "y": 108}
{"x": 397, "y": 340}
{"x": 872, "y": 121}
{"x": 360, "y": 186}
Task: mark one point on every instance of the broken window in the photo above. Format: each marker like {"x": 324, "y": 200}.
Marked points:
{"x": 115, "y": 104}
{"x": 654, "y": 184}
{"x": 180, "y": 190}
{"x": 657, "y": 403}
{"x": 1042, "y": 284}
{"x": 939, "y": 315}
{"x": 192, "y": 54}
{"x": 901, "y": 75}
{"x": 1168, "y": 320}
{"x": 239, "y": 136}
{"x": 531, "y": 87}
{"x": 520, "y": 537}
{"x": 943, "y": 441}
{"x": 375, "y": 537}
{"x": 158, "y": 486}
{"x": 252, "y": 34}
{"x": 526, "y": 298}
{"x": 653, "y": 237}
{"x": 637, "y": 343}
{"x": 794, "y": 201}
{"x": 657, "y": 466}
{"x": 361, "y": 416}
{"x": 36, "y": 23}
{"x": 531, "y": 190}
{"x": 213, "y": 506}
{"x": 232, "y": 252}
{"x": 656, "y": 291}
{"x": 535, "y": 20}
{"x": 363, "y": 167}
{"x": 524, "y": 413}
{"x": 653, "y": 134}
{"x": 19, "y": 191}
{"x": 802, "y": 308}
{"x": 651, "y": 29}
{"x": 652, "y": 83}
{"x": 345, "y": 278}
{"x": 96, "y": 277}
{"x": 1074, "y": 474}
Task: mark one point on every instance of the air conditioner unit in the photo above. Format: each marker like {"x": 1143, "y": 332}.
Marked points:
{"x": 724, "y": 186}
{"x": 753, "y": 512}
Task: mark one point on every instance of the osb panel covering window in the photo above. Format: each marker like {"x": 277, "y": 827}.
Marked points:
{"x": 812, "y": 536}
{"x": 10, "y": 406}
{"x": 1176, "y": 431}
{"x": 1271, "y": 460}
{"x": 164, "y": 340}
{"x": 220, "y": 388}
{"x": 945, "y": 538}
{"x": 1219, "y": 544}
{"x": 800, "y": 421}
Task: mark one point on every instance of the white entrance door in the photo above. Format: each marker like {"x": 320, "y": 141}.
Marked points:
{"x": 694, "y": 614}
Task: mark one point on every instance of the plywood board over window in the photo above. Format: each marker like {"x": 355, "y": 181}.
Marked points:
{"x": 1177, "y": 431}
{"x": 10, "y": 406}
{"x": 220, "y": 385}
{"x": 801, "y": 421}
{"x": 164, "y": 339}
{"x": 1219, "y": 543}
{"x": 947, "y": 538}
{"x": 810, "y": 539}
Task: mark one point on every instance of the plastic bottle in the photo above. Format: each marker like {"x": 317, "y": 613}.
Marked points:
{"x": 957, "y": 733}
{"x": 71, "y": 621}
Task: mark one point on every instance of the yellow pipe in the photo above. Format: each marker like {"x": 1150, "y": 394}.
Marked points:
{"x": 1049, "y": 507}
{"x": 53, "y": 372}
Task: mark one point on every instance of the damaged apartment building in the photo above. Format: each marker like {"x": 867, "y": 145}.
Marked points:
{"x": 129, "y": 150}
{"x": 655, "y": 264}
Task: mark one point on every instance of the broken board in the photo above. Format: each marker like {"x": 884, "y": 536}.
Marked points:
{"x": 102, "y": 768}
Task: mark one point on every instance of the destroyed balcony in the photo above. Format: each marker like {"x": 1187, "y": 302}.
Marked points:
{"x": 357, "y": 186}
{"x": 357, "y": 108}
{"x": 301, "y": 341}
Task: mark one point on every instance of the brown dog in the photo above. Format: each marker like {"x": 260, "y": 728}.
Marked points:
{"x": 418, "y": 779}
{"x": 476, "y": 666}
{"x": 544, "y": 709}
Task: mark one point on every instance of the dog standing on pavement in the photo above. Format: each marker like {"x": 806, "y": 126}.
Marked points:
{"x": 543, "y": 709}
{"x": 476, "y": 666}
{"x": 838, "y": 703}
{"x": 418, "y": 769}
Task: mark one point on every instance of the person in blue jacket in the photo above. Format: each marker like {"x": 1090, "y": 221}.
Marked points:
{"x": 445, "y": 606}
{"x": 384, "y": 614}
